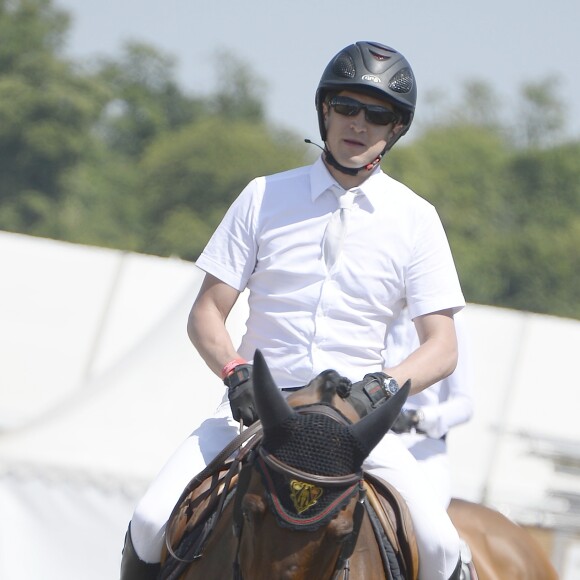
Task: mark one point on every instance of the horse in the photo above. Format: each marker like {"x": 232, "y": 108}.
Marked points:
{"x": 292, "y": 503}
{"x": 500, "y": 548}
{"x": 288, "y": 500}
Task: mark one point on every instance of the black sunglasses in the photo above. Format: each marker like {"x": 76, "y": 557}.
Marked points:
{"x": 374, "y": 114}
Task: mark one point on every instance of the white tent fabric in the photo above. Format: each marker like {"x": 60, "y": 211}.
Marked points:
{"x": 99, "y": 383}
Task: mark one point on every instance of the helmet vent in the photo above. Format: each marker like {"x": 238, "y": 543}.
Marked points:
{"x": 402, "y": 81}
{"x": 343, "y": 66}
{"x": 380, "y": 56}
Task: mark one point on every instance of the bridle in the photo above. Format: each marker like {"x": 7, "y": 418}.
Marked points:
{"x": 352, "y": 484}
{"x": 315, "y": 442}
{"x": 252, "y": 456}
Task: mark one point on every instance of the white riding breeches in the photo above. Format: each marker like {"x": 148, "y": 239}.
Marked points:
{"x": 433, "y": 459}
{"x": 437, "y": 540}
{"x": 191, "y": 457}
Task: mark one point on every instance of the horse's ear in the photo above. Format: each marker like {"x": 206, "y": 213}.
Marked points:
{"x": 371, "y": 429}
{"x": 270, "y": 403}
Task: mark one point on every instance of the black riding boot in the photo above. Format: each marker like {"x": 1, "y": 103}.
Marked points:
{"x": 132, "y": 567}
{"x": 457, "y": 572}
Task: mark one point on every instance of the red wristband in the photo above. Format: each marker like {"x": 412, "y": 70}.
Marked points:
{"x": 229, "y": 367}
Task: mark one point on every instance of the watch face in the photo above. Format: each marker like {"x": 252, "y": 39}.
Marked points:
{"x": 391, "y": 385}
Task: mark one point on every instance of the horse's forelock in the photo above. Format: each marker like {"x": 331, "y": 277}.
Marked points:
{"x": 330, "y": 383}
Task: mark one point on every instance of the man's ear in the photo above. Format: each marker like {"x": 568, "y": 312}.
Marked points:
{"x": 397, "y": 129}
{"x": 325, "y": 114}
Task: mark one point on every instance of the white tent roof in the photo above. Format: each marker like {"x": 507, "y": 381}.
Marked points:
{"x": 98, "y": 374}
{"x": 99, "y": 383}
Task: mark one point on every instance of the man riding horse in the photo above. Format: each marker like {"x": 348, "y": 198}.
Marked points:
{"x": 330, "y": 254}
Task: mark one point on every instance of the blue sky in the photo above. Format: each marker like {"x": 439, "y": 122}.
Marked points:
{"x": 288, "y": 44}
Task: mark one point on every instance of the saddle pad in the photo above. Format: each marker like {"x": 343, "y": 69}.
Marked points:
{"x": 394, "y": 516}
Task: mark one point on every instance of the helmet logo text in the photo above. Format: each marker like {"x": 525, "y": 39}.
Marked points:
{"x": 371, "y": 78}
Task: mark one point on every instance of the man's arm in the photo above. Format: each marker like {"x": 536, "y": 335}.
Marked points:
{"x": 206, "y": 325}
{"x": 436, "y": 356}
{"x": 458, "y": 406}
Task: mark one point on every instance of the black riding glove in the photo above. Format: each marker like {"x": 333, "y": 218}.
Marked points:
{"x": 241, "y": 394}
{"x": 407, "y": 420}
{"x": 372, "y": 391}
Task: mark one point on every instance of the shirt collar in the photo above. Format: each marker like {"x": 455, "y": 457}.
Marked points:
{"x": 321, "y": 181}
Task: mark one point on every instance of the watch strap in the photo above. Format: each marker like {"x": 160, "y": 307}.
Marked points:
{"x": 375, "y": 389}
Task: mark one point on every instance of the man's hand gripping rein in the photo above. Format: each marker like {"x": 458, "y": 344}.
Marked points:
{"x": 241, "y": 393}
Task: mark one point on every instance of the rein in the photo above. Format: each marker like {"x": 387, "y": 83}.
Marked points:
{"x": 210, "y": 470}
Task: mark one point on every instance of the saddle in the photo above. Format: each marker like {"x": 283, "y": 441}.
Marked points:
{"x": 208, "y": 495}
{"x": 395, "y": 522}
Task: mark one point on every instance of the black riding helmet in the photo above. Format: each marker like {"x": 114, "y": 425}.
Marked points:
{"x": 375, "y": 69}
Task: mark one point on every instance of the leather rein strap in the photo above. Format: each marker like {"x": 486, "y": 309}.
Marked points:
{"x": 212, "y": 467}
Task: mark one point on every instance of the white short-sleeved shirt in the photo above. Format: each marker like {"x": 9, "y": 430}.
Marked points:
{"x": 305, "y": 318}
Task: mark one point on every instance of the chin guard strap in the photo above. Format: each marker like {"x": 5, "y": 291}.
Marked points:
{"x": 330, "y": 159}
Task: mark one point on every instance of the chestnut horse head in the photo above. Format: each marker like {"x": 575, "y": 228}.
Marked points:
{"x": 297, "y": 510}
{"x": 301, "y": 513}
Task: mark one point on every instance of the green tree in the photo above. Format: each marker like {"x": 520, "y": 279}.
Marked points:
{"x": 541, "y": 268}
{"x": 46, "y": 113}
{"x": 121, "y": 157}
{"x": 239, "y": 91}
{"x": 542, "y": 113}
{"x": 480, "y": 106}
{"x": 145, "y": 99}
{"x": 100, "y": 204}
{"x": 191, "y": 177}
{"x": 460, "y": 170}
{"x": 511, "y": 208}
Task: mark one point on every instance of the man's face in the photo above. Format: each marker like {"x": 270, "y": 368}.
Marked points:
{"x": 354, "y": 140}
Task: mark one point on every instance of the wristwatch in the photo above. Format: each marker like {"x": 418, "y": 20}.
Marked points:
{"x": 379, "y": 387}
{"x": 390, "y": 385}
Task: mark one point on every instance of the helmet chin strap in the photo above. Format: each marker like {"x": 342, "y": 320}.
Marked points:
{"x": 330, "y": 159}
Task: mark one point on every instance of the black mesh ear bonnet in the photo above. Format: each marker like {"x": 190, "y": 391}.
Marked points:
{"x": 374, "y": 69}
{"x": 317, "y": 445}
